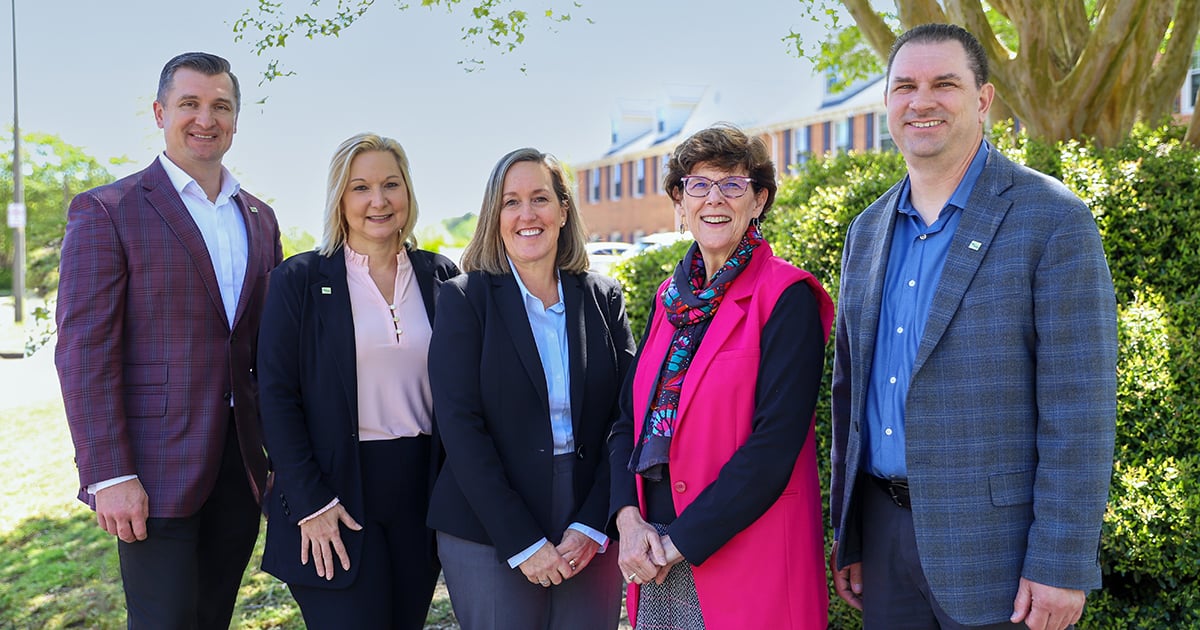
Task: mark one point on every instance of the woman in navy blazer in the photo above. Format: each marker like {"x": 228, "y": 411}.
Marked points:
{"x": 528, "y": 355}
{"x": 346, "y": 410}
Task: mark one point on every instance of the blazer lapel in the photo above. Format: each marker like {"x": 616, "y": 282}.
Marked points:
{"x": 880, "y": 229}
{"x": 512, "y": 311}
{"x": 576, "y": 342}
{"x": 981, "y": 218}
{"x": 331, "y": 296}
{"x": 254, "y": 254}
{"x": 165, "y": 200}
{"x": 424, "y": 272}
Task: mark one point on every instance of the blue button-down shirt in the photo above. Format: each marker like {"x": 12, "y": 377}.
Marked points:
{"x": 549, "y": 326}
{"x": 915, "y": 263}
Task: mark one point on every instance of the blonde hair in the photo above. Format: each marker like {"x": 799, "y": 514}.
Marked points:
{"x": 339, "y": 174}
{"x": 486, "y": 250}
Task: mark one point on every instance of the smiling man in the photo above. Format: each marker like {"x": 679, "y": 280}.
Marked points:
{"x": 974, "y": 386}
{"x": 161, "y": 289}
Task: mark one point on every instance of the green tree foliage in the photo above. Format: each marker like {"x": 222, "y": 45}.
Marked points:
{"x": 295, "y": 241}
{"x": 1145, "y": 194}
{"x": 270, "y": 26}
{"x": 54, "y": 172}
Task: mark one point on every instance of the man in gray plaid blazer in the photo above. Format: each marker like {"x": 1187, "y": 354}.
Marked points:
{"x": 974, "y": 387}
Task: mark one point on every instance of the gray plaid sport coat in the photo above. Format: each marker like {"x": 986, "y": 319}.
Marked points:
{"x": 1011, "y": 411}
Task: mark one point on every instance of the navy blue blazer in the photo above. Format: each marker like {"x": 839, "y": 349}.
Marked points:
{"x": 308, "y": 393}
{"x": 493, "y": 413}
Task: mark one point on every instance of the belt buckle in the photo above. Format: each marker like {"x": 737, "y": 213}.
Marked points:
{"x": 898, "y": 490}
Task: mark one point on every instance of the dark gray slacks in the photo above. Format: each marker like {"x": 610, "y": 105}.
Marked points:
{"x": 896, "y": 595}
{"x": 488, "y": 595}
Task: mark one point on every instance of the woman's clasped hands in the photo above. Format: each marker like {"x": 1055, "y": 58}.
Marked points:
{"x": 551, "y": 565}
{"x": 645, "y": 556}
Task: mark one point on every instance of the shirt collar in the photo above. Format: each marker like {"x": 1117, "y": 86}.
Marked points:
{"x": 962, "y": 193}
{"x": 531, "y": 299}
{"x": 182, "y": 182}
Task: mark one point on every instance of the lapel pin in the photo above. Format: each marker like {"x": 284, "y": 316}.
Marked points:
{"x": 326, "y": 291}
{"x": 254, "y": 209}
{"x": 975, "y": 246}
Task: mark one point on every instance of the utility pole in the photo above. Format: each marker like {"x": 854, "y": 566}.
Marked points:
{"x": 16, "y": 209}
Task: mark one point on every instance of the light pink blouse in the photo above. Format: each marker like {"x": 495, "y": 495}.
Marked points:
{"x": 391, "y": 344}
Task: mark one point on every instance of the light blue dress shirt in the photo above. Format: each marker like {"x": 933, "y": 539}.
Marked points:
{"x": 549, "y": 325}
{"x": 914, "y": 268}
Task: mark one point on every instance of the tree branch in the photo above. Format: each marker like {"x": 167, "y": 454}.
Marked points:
{"x": 1101, "y": 58}
{"x": 1172, "y": 67}
{"x": 916, "y": 12}
{"x": 874, "y": 30}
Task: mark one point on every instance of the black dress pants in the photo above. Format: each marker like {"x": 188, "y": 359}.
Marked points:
{"x": 397, "y": 570}
{"x": 186, "y": 574}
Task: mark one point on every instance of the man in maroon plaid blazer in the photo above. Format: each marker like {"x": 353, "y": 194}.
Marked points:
{"x": 161, "y": 289}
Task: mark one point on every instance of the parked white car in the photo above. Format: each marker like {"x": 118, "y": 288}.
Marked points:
{"x": 602, "y": 255}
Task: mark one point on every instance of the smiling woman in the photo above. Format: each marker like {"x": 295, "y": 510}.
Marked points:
{"x": 720, "y": 525}
{"x": 346, "y": 408}
{"x": 525, "y": 368}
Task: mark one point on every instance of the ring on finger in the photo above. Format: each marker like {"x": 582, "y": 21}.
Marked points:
{"x": 544, "y": 582}
{"x": 572, "y": 563}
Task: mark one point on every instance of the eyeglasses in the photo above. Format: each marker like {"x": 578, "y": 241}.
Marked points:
{"x": 730, "y": 187}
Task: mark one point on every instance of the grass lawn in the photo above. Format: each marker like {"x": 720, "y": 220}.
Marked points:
{"x": 58, "y": 569}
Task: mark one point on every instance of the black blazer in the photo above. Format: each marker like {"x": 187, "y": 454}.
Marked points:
{"x": 308, "y": 393}
{"x": 493, "y": 413}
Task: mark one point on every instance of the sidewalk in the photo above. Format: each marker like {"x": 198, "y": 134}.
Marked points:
{"x": 29, "y": 381}
{"x": 24, "y": 381}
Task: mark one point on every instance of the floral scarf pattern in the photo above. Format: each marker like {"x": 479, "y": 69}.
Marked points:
{"x": 690, "y": 311}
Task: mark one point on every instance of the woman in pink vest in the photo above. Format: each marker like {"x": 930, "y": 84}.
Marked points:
{"x": 714, "y": 474}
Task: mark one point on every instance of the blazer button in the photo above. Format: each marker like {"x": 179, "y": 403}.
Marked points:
{"x": 579, "y": 452}
{"x": 680, "y": 487}
{"x": 227, "y": 395}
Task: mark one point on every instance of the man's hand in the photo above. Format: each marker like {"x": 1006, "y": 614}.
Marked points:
{"x": 322, "y": 536}
{"x": 122, "y": 510}
{"x": 577, "y": 549}
{"x": 848, "y": 581}
{"x": 1044, "y": 607}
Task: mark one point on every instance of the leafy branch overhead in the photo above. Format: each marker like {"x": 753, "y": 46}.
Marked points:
{"x": 1067, "y": 69}
{"x": 269, "y": 26}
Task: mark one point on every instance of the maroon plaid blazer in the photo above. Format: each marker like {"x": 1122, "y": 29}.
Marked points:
{"x": 145, "y": 356}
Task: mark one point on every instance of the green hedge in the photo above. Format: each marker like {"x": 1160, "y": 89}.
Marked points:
{"x": 1145, "y": 195}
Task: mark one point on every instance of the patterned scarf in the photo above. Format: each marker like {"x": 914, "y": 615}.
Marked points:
{"x": 690, "y": 312}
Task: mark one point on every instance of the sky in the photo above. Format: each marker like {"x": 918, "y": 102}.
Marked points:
{"x": 87, "y": 72}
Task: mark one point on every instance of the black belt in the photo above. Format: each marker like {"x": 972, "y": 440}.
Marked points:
{"x": 897, "y": 490}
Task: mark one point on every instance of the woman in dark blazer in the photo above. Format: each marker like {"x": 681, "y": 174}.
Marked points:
{"x": 528, "y": 355}
{"x": 346, "y": 408}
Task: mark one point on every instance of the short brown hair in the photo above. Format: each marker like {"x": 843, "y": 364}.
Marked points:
{"x": 486, "y": 250}
{"x": 727, "y": 148}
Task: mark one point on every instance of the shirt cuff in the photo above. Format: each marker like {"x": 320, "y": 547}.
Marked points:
{"x": 600, "y": 538}
{"x": 108, "y": 483}
{"x": 319, "y": 512}
{"x": 516, "y": 560}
